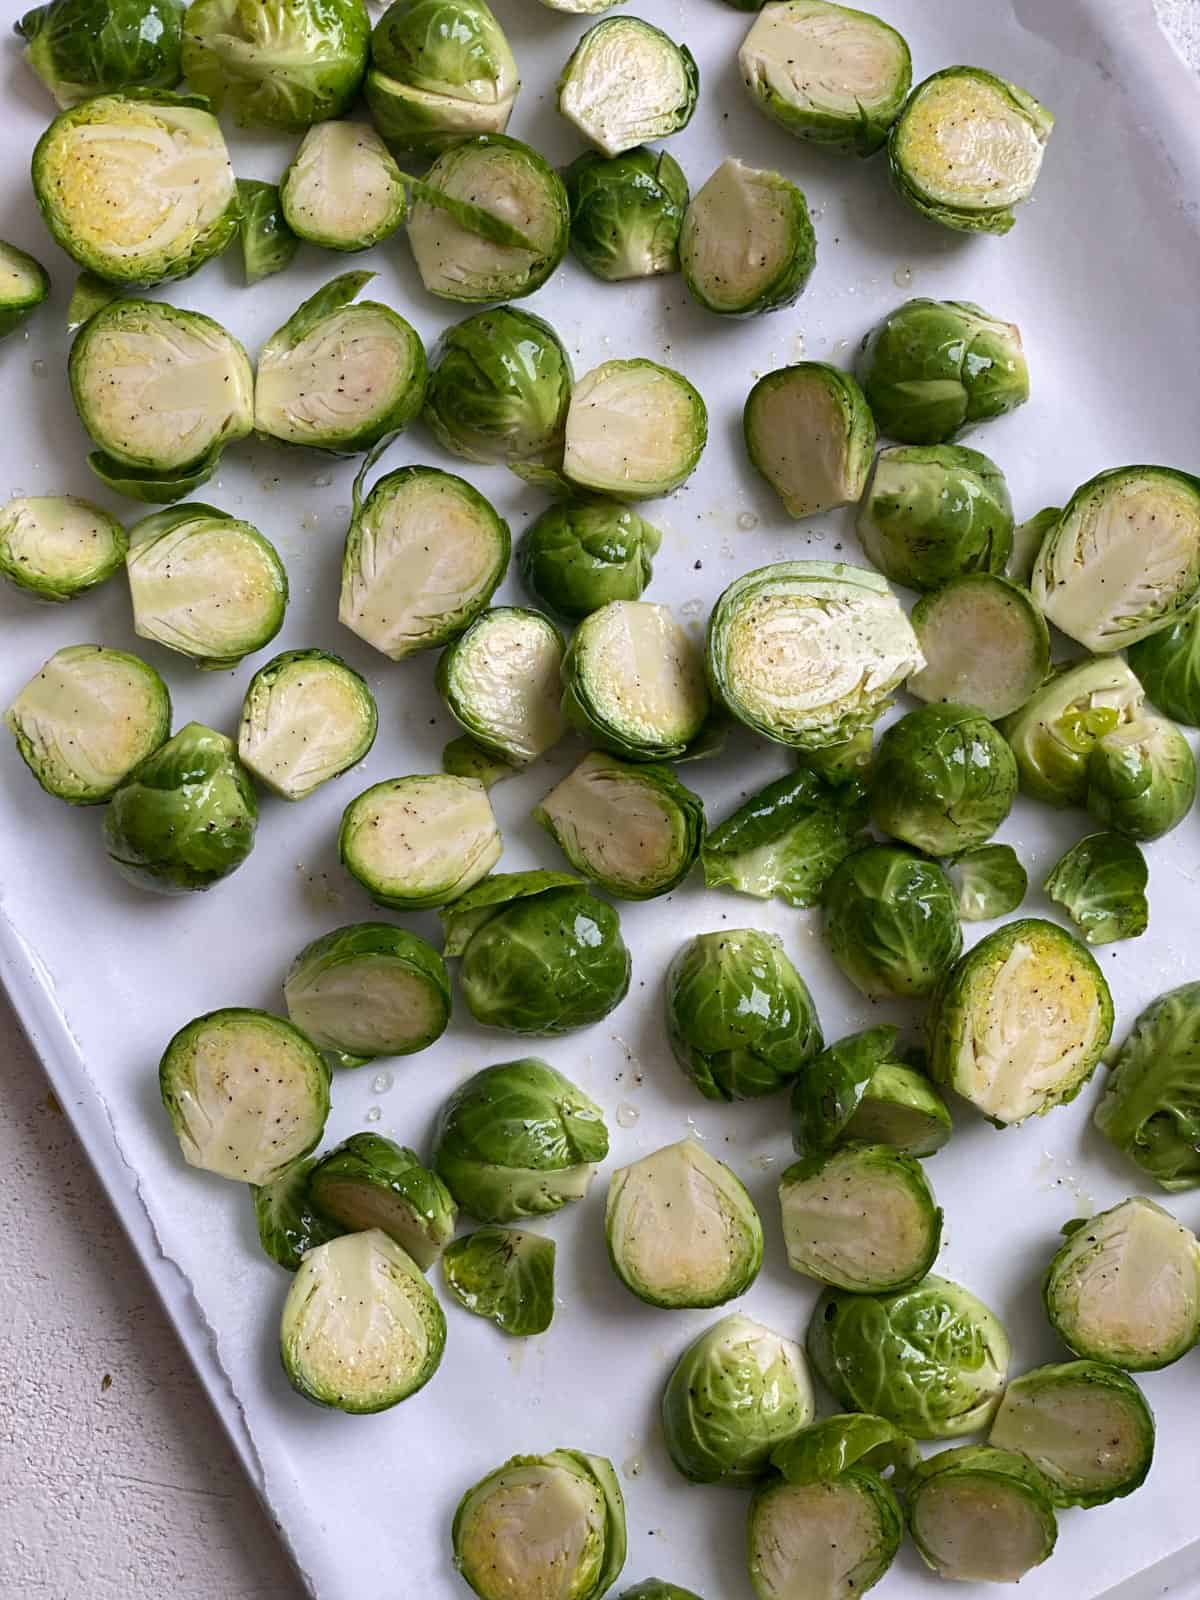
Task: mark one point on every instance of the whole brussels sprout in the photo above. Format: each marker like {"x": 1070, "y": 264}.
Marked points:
{"x": 80, "y": 48}
{"x": 932, "y": 512}
{"x": 891, "y": 921}
{"x": 943, "y": 780}
{"x": 585, "y": 551}
{"x": 1167, "y": 665}
{"x": 1141, "y": 778}
{"x": 1053, "y": 734}
{"x": 626, "y": 212}
{"x": 978, "y": 1514}
{"x": 1150, "y": 1108}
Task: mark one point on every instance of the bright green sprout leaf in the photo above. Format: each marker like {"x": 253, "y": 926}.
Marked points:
{"x": 990, "y": 882}
{"x": 891, "y": 922}
{"x": 1150, "y": 1108}
{"x": 506, "y": 1275}
{"x": 1101, "y": 884}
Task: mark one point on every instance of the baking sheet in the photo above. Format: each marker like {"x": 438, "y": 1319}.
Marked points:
{"x": 1100, "y": 274}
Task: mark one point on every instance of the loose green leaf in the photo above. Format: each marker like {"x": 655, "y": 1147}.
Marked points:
{"x": 1101, "y": 884}
{"x": 786, "y": 840}
{"x": 506, "y": 1275}
{"x": 989, "y": 880}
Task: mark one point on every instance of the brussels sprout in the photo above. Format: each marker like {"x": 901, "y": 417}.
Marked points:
{"x": 809, "y": 432}
{"x": 932, "y": 512}
{"x": 80, "y": 48}
{"x": 137, "y": 190}
{"x": 288, "y": 1223}
{"x": 1028, "y": 537}
{"x": 86, "y": 719}
{"x": 682, "y": 1231}
{"x": 1125, "y": 1287}
{"x": 785, "y": 840}
{"x": 634, "y": 429}
{"x": 185, "y": 818}
{"x": 56, "y": 546}
{"x": 735, "y": 1394}
{"x": 148, "y": 483}
{"x": 518, "y": 1140}
{"x": 585, "y": 551}
{"x": 342, "y": 190}
{"x": 634, "y": 829}
{"x": 1018, "y": 1026}
{"x": 490, "y": 221}
{"x": 747, "y": 244}
{"x": 943, "y": 780}
{"x": 627, "y": 82}
{"x": 420, "y": 841}
{"x": 985, "y": 645}
{"x": 1151, "y": 1103}
{"x": 1101, "y": 885}
{"x": 825, "y": 1450}
{"x": 826, "y": 73}
{"x": 160, "y": 389}
{"x": 1085, "y": 1426}
{"x": 891, "y": 922}
{"x": 1054, "y": 733}
{"x": 24, "y": 284}
{"x": 830, "y": 1540}
{"x": 932, "y": 1359}
{"x": 981, "y": 1515}
{"x": 307, "y": 717}
{"x": 1167, "y": 665}
{"x": 551, "y": 1525}
{"x": 463, "y": 918}
{"x": 337, "y": 376}
{"x": 934, "y": 368}
{"x": 740, "y": 1019}
{"x": 857, "y": 1090}
{"x": 205, "y": 584}
{"x": 441, "y": 70}
{"x": 500, "y": 680}
{"x": 842, "y": 764}
{"x": 499, "y": 387}
{"x": 361, "y": 1328}
{"x": 989, "y": 880}
{"x": 246, "y": 1093}
{"x": 90, "y": 294}
{"x": 1123, "y": 560}
{"x": 285, "y": 65}
{"x": 626, "y": 212}
{"x": 967, "y": 148}
{"x": 370, "y": 1182}
{"x": 424, "y": 552}
{"x": 506, "y": 1275}
{"x": 634, "y": 681}
{"x": 268, "y": 244}
{"x": 463, "y": 758}
{"x": 808, "y": 653}
{"x": 1142, "y": 778}
{"x": 367, "y": 990}
{"x": 652, "y": 1588}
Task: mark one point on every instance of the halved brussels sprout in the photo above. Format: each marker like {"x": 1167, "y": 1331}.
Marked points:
{"x": 342, "y": 190}
{"x": 809, "y": 653}
{"x": 634, "y": 681}
{"x": 420, "y": 841}
{"x": 1150, "y": 1108}
{"x": 499, "y": 387}
{"x": 740, "y": 1019}
{"x": 1101, "y": 884}
{"x": 785, "y": 840}
{"x": 747, "y": 244}
{"x": 985, "y": 645}
{"x": 634, "y": 429}
{"x": 370, "y": 1182}
{"x": 337, "y": 376}
{"x": 24, "y": 284}
{"x": 967, "y": 148}
{"x": 424, "y": 552}
{"x": 891, "y": 922}
{"x": 1167, "y": 665}
{"x": 627, "y": 82}
{"x": 934, "y": 368}
{"x": 307, "y": 717}
{"x": 285, "y": 65}
{"x": 1123, "y": 559}
{"x": 626, "y": 212}
{"x": 1054, "y": 733}
{"x": 56, "y": 546}
{"x": 518, "y": 1140}
{"x": 288, "y": 1223}
{"x": 810, "y": 433}
{"x": 369, "y": 989}
{"x": 86, "y": 719}
{"x": 682, "y": 1231}
{"x": 652, "y": 1588}
{"x": 268, "y": 244}
{"x": 632, "y": 828}
{"x": 1018, "y": 1026}
{"x": 932, "y": 1359}
{"x": 735, "y": 1394}
{"x": 463, "y": 758}
{"x": 361, "y": 1328}
{"x": 185, "y": 817}
{"x": 982, "y": 1515}
{"x": 856, "y": 1090}
{"x": 205, "y": 584}
{"x": 506, "y": 1275}
{"x": 501, "y": 681}
{"x": 551, "y": 1525}
{"x": 583, "y": 552}
{"x": 80, "y": 48}
{"x": 90, "y": 294}
{"x": 932, "y": 512}
{"x": 247, "y": 1094}
{"x": 1028, "y": 538}
{"x": 1085, "y": 1426}
{"x": 831, "y": 1540}
{"x": 989, "y": 880}
{"x": 826, "y": 73}
{"x": 490, "y": 221}
{"x": 137, "y": 190}
{"x": 943, "y": 779}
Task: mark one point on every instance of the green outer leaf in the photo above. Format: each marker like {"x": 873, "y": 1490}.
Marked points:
{"x": 847, "y": 762}
{"x": 1142, "y": 778}
{"x": 268, "y": 244}
{"x": 310, "y": 313}
{"x": 990, "y": 881}
{"x": 826, "y": 1449}
{"x": 626, "y": 212}
{"x": 1167, "y": 665}
{"x": 827, "y": 1094}
{"x": 150, "y": 487}
{"x": 289, "y": 1225}
{"x": 438, "y": 75}
{"x": 792, "y": 268}
{"x": 1101, "y": 884}
{"x": 80, "y": 48}
{"x": 872, "y": 1563}
{"x": 371, "y": 1182}
{"x": 933, "y": 512}
{"x": 1053, "y": 735}
{"x": 90, "y": 294}
{"x": 891, "y": 923}
{"x": 1150, "y": 1108}
{"x": 994, "y": 1474}
{"x": 472, "y": 217}
{"x": 337, "y": 953}
{"x": 463, "y": 758}
{"x": 786, "y": 840}
{"x": 1028, "y": 537}
{"x": 503, "y": 1274}
{"x": 463, "y": 918}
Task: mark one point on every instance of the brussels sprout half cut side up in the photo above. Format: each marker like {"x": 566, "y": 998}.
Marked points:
{"x": 369, "y": 989}
{"x": 518, "y": 1140}
{"x": 268, "y": 244}
{"x": 1054, "y": 733}
{"x": 58, "y": 546}
{"x": 786, "y": 840}
{"x": 80, "y": 48}
{"x": 978, "y": 1514}
{"x": 943, "y": 779}
{"x": 550, "y": 1525}
{"x": 989, "y": 880}
{"x": 1167, "y": 665}
{"x": 634, "y": 682}
{"x": 136, "y": 190}
{"x": 247, "y": 1094}
{"x": 499, "y": 387}
{"x": 424, "y": 552}
{"x": 831, "y": 1540}
{"x": 856, "y": 1090}
{"x": 370, "y": 1182}
{"x": 1018, "y": 1026}
{"x": 747, "y": 244}
{"x": 343, "y": 191}
{"x": 585, "y": 551}
{"x": 891, "y": 922}
{"x": 810, "y": 433}
{"x": 86, "y": 719}
{"x": 307, "y": 717}
{"x": 420, "y": 841}
{"x": 361, "y": 1328}
{"x": 682, "y": 1231}
{"x": 985, "y": 645}
{"x": 288, "y": 1223}
{"x": 501, "y": 681}
{"x": 809, "y": 653}
{"x": 1085, "y": 1426}
{"x": 626, "y": 83}
{"x": 1101, "y": 885}
{"x": 634, "y": 429}
{"x": 933, "y": 512}
{"x": 626, "y": 212}
{"x": 24, "y": 284}
{"x": 506, "y": 1275}
{"x": 1150, "y": 1108}
{"x": 967, "y": 148}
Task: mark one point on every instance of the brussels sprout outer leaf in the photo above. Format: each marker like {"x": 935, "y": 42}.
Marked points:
{"x": 990, "y": 882}
{"x": 1141, "y": 778}
{"x": 289, "y": 1225}
{"x": 586, "y": 551}
{"x": 463, "y": 758}
{"x": 1150, "y": 1108}
{"x": 1168, "y": 667}
{"x": 827, "y": 1094}
{"x": 504, "y": 1274}
{"x": 80, "y": 48}
{"x": 268, "y": 244}
{"x": 151, "y": 487}
{"x": 463, "y": 919}
{"x": 1101, "y": 884}
{"x": 786, "y": 840}
{"x": 826, "y": 1449}
{"x": 90, "y": 294}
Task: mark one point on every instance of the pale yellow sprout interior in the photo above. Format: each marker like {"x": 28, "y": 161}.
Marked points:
{"x": 630, "y": 425}
{"x": 205, "y": 587}
{"x": 963, "y": 142}
{"x": 800, "y": 432}
{"x": 86, "y": 713}
{"x": 673, "y": 1225}
{"x": 424, "y": 835}
{"x": 1077, "y": 1434}
{"x": 56, "y": 537}
{"x": 624, "y": 829}
{"x": 450, "y": 256}
{"x": 739, "y": 234}
{"x": 343, "y": 184}
{"x": 814, "y": 1540}
{"x": 979, "y": 1528}
{"x": 641, "y": 673}
{"x": 822, "y": 58}
{"x": 535, "y": 1532}
{"x": 849, "y": 1221}
{"x": 506, "y": 684}
{"x": 349, "y": 371}
{"x": 627, "y": 85}
{"x": 369, "y": 1006}
{"x": 298, "y": 730}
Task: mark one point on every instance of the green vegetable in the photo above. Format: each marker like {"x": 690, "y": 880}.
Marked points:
{"x": 462, "y": 920}
{"x": 307, "y": 717}
{"x": 24, "y": 284}
{"x": 626, "y": 83}
{"x": 786, "y": 840}
{"x": 369, "y": 1182}
{"x": 747, "y": 244}
{"x": 289, "y": 1225}
{"x": 825, "y": 1450}
{"x": 1054, "y": 733}
{"x": 626, "y": 212}
{"x": 58, "y": 546}
{"x": 268, "y": 244}
{"x": 1028, "y": 538}
{"x": 856, "y": 1089}
{"x": 990, "y": 882}
{"x": 585, "y": 551}
{"x": 634, "y": 429}
{"x": 810, "y": 433}
{"x": 652, "y": 1588}
{"x": 147, "y": 483}
{"x": 500, "y": 680}
{"x": 1142, "y": 778}
{"x": 90, "y": 294}
{"x": 1101, "y": 884}
{"x": 369, "y": 989}
{"x": 80, "y": 48}
{"x": 831, "y": 1540}
{"x": 342, "y": 190}
{"x": 420, "y": 841}
{"x": 463, "y": 758}
{"x": 981, "y": 1514}
{"x": 506, "y": 1275}
{"x": 933, "y": 512}
{"x": 891, "y": 922}
{"x": 841, "y": 764}
{"x": 943, "y": 780}
{"x": 985, "y": 645}
{"x": 1150, "y": 1108}
{"x": 1168, "y": 667}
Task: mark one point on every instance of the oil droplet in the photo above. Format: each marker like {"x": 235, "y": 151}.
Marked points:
{"x": 373, "y": 1113}
{"x": 747, "y": 520}
{"x": 691, "y": 608}
{"x": 726, "y": 550}
{"x": 16, "y": 494}
{"x": 269, "y": 485}
{"x": 763, "y": 1162}
{"x": 323, "y": 480}
{"x": 694, "y": 1131}
{"x": 633, "y": 1467}
{"x": 842, "y": 344}
{"x": 342, "y": 513}
{"x": 39, "y": 369}
{"x": 310, "y": 519}
{"x": 627, "y": 1115}
{"x": 382, "y": 1082}
{"x": 902, "y": 277}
